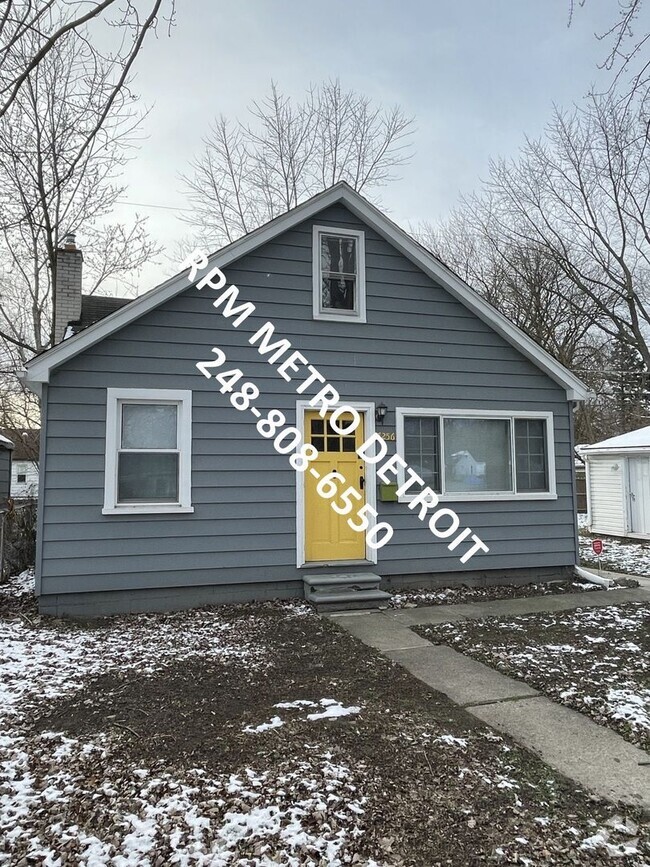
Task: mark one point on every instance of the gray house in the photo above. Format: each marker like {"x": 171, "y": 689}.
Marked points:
{"x": 322, "y": 396}
{"x": 6, "y": 451}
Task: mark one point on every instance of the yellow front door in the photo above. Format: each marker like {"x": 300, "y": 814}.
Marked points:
{"x": 327, "y": 534}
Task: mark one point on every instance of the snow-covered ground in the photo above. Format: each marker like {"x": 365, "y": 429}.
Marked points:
{"x": 84, "y": 801}
{"x": 147, "y": 817}
{"x": 617, "y": 556}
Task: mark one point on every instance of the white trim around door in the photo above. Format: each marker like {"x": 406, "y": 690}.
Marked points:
{"x": 367, "y": 410}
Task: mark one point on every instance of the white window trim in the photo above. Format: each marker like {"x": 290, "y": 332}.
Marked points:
{"x": 359, "y": 315}
{"x": 453, "y": 496}
{"x": 114, "y": 398}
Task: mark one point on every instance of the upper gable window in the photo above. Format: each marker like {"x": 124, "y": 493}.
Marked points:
{"x": 339, "y": 274}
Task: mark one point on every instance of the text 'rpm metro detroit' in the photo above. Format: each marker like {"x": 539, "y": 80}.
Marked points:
{"x": 344, "y": 419}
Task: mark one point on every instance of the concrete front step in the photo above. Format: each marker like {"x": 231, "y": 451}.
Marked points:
{"x": 345, "y": 591}
{"x": 351, "y": 604}
{"x": 342, "y": 578}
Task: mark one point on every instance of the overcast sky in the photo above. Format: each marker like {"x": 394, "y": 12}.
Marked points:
{"x": 477, "y": 75}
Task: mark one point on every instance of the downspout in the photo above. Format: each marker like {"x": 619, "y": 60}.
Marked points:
{"x": 593, "y": 578}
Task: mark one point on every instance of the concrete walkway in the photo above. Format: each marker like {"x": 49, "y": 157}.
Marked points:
{"x": 592, "y": 755}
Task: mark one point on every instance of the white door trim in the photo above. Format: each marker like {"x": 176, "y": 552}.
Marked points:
{"x": 368, "y": 411}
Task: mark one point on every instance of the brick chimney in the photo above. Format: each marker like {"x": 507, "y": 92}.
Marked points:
{"x": 67, "y": 291}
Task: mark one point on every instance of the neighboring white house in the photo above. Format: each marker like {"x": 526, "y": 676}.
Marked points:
{"x": 24, "y": 479}
{"x": 618, "y": 484}
{"x": 465, "y": 468}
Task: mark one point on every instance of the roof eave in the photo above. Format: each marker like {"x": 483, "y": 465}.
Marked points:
{"x": 38, "y": 369}
{"x": 576, "y": 390}
{"x": 609, "y": 450}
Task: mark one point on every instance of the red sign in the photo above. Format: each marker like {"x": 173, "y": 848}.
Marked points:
{"x": 597, "y": 545}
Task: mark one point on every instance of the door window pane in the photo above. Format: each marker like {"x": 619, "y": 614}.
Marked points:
{"x": 531, "y": 455}
{"x": 147, "y": 477}
{"x": 422, "y": 449}
{"x": 338, "y": 272}
{"x": 149, "y": 426}
{"x": 477, "y": 455}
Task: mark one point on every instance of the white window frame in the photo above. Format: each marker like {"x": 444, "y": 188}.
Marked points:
{"x": 359, "y": 313}
{"x": 401, "y": 412}
{"x": 115, "y": 398}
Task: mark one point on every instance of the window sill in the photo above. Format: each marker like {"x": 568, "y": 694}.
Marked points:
{"x": 148, "y": 509}
{"x": 484, "y": 498}
{"x": 320, "y": 564}
{"x": 339, "y": 317}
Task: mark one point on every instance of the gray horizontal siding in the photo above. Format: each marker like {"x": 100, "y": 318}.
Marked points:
{"x": 5, "y": 472}
{"x": 419, "y": 348}
{"x": 231, "y": 522}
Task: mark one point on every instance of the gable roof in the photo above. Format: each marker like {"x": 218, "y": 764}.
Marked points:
{"x": 38, "y": 369}
{"x": 635, "y": 439}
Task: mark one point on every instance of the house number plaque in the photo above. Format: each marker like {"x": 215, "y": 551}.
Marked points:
{"x": 389, "y": 437}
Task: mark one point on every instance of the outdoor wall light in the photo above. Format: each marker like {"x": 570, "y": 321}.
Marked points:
{"x": 380, "y": 413}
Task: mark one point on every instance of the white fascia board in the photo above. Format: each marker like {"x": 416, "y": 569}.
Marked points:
{"x": 38, "y": 369}
{"x": 622, "y": 452}
{"x": 457, "y": 288}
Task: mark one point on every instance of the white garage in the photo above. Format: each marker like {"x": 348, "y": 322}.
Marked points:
{"x": 618, "y": 485}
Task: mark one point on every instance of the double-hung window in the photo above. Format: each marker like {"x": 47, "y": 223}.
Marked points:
{"x": 148, "y": 451}
{"x": 466, "y": 455}
{"x": 339, "y": 274}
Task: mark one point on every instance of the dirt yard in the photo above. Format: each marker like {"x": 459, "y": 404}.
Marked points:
{"x": 619, "y": 555}
{"x": 262, "y": 735}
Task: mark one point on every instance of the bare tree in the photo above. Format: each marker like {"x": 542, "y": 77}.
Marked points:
{"x": 53, "y": 125}
{"x": 249, "y": 172}
{"x": 32, "y": 29}
{"x": 581, "y": 196}
{"x": 559, "y": 240}
{"x": 63, "y": 143}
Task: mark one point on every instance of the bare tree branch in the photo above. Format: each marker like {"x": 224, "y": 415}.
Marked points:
{"x": 34, "y": 24}
{"x": 628, "y": 39}
{"x": 559, "y": 240}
